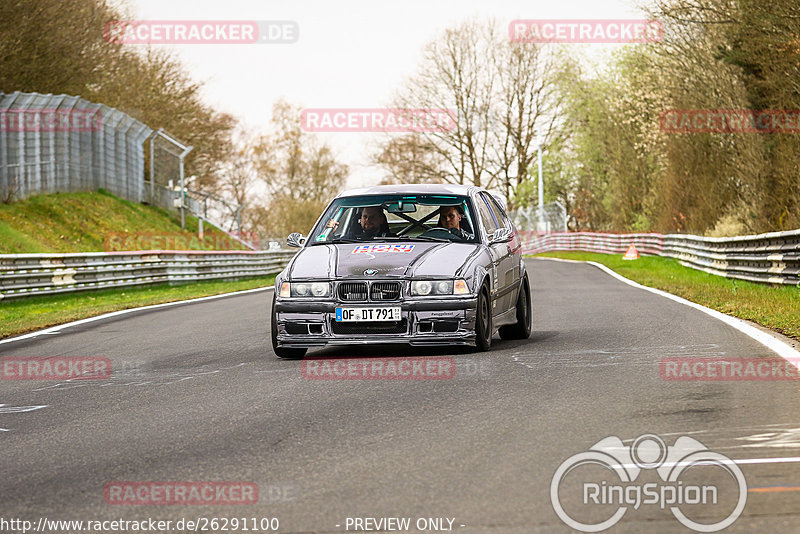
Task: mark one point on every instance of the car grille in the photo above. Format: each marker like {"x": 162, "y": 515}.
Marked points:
{"x": 353, "y": 291}
{"x": 384, "y": 291}
{"x": 377, "y": 291}
{"x": 374, "y": 327}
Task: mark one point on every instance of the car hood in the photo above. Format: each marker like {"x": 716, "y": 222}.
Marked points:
{"x": 391, "y": 260}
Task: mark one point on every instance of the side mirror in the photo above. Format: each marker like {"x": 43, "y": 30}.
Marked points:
{"x": 295, "y": 239}
{"x": 501, "y": 235}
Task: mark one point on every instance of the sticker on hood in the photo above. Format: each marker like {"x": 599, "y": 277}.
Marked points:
{"x": 374, "y": 249}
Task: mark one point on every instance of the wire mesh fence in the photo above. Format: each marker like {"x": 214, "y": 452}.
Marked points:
{"x": 552, "y": 217}
{"x": 60, "y": 143}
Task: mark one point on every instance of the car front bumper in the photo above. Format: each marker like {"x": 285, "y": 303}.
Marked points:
{"x": 444, "y": 321}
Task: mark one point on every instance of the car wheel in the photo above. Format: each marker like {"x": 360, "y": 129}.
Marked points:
{"x": 522, "y": 328}
{"x": 285, "y": 353}
{"x": 483, "y": 321}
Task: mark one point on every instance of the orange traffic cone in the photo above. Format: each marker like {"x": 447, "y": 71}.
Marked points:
{"x": 632, "y": 253}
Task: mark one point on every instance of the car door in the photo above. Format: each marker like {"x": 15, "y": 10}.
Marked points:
{"x": 508, "y": 265}
{"x": 499, "y": 253}
{"x": 509, "y": 268}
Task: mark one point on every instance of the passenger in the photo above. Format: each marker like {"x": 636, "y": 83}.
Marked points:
{"x": 373, "y": 223}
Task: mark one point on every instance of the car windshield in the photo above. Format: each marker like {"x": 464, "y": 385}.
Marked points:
{"x": 389, "y": 218}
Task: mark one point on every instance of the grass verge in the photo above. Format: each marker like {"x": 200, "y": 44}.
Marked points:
{"x": 777, "y": 308}
{"x": 94, "y": 222}
{"x": 28, "y": 314}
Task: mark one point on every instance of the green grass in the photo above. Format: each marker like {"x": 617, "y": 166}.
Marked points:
{"x": 777, "y": 308}
{"x": 87, "y": 222}
{"x": 18, "y": 316}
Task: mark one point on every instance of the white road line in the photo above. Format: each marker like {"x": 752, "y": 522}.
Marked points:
{"x": 741, "y": 461}
{"x": 776, "y": 345}
{"x": 57, "y": 329}
{"x": 20, "y": 409}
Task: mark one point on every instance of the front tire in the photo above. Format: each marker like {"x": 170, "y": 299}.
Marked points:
{"x": 285, "y": 353}
{"x": 483, "y": 321}
{"x": 522, "y": 328}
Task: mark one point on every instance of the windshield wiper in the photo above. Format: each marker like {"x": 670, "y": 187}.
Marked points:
{"x": 428, "y": 238}
{"x": 337, "y": 240}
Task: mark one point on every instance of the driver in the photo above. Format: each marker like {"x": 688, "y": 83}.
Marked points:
{"x": 450, "y": 219}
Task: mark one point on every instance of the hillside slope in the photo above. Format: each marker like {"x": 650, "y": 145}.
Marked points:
{"x": 95, "y": 222}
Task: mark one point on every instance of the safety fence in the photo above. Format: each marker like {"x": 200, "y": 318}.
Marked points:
{"x": 772, "y": 258}
{"x": 60, "y": 143}
{"x": 23, "y": 275}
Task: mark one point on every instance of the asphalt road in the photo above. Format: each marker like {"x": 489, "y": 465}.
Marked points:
{"x": 197, "y": 395}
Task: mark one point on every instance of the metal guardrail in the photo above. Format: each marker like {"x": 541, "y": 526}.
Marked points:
{"x": 24, "y": 275}
{"x": 772, "y": 258}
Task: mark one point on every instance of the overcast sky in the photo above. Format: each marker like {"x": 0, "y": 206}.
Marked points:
{"x": 350, "y": 53}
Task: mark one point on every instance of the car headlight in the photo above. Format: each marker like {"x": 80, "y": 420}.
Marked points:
{"x": 305, "y": 289}
{"x": 422, "y": 288}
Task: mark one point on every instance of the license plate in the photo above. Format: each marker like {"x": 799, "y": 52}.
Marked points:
{"x": 367, "y": 314}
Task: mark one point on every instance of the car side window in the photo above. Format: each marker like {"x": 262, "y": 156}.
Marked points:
{"x": 499, "y": 213}
{"x": 487, "y": 217}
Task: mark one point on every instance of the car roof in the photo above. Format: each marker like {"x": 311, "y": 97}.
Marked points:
{"x": 404, "y": 189}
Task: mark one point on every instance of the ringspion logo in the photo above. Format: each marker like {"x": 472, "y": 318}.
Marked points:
{"x": 585, "y": 31}
{"x": 390, "y": 120}
{"x": 201, "y": 32}
{"x": 704, "y": 490}
{"x": 54, "y": 368}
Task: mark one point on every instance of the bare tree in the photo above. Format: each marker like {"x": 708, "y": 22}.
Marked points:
{"x": 456, "y": 75}
{"x": 528, "y": 107}
{"x": 501, "y": 97}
